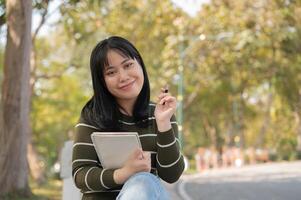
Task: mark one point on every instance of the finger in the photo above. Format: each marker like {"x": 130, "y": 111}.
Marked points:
{"x": 146, "y": 155}
{"x": 167, "y": 99}
{"x": 138, "y": 153}
{"x": 145, "y": 162}
{"x": 165, "y": 89}
{"x": 162, "y": 95}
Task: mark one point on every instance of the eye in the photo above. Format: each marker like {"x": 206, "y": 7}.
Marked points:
{"x": 129, "y": 65}
{"x": 111, "y": 73}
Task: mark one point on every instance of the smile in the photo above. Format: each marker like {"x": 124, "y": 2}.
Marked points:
{"x": 127, "y": 86}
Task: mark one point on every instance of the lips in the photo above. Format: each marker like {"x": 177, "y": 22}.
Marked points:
{"x": 124, "y": 87}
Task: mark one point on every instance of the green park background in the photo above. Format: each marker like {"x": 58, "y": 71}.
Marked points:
{"x": 234, "y": 66}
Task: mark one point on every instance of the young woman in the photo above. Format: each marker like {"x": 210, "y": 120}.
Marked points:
{"x": 121, "y": 103}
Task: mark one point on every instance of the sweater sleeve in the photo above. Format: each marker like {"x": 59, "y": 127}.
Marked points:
{"x": 87, "y": 172}
{"x": 169, "y": 160}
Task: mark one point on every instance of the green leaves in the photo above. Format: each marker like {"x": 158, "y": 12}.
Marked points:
{"x": 235, "y": 54}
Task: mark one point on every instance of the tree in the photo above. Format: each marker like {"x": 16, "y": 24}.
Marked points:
{"x": 2, "y": 12}
{"x": 14, "y": 112}
{"x": 246, "y": 52}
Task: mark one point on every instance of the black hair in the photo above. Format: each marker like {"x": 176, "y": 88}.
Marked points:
{"x": 102, "y": 109}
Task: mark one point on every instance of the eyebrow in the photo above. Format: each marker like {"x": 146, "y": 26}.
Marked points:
{"x": 111, "y": 66}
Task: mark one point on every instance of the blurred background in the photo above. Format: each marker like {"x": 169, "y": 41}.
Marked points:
{"x": 234, "y": 66}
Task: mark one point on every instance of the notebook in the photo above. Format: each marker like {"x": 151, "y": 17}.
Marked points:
{"x": 114, "y": 148}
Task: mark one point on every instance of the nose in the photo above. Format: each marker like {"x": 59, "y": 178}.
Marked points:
{"x": 123, "y": 75}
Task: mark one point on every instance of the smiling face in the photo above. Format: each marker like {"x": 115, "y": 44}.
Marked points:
{"x": 123, "y": 77}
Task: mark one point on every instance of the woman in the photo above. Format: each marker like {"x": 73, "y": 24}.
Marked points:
{"x": 121, "y": 103}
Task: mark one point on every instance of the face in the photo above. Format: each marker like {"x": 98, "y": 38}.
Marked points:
{"x": 123, "y": 77}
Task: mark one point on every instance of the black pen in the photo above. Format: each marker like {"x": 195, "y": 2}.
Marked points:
{"x": 165, "y": 91}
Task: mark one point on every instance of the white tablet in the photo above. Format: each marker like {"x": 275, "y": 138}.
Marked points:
{"x": 114, "y": 148}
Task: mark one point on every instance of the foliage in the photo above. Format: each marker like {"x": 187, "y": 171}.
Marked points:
{"x": 241, "y": 65}
{"x": 2, "y": 12}
{"x": 149, "y": 29}
{"x": 241, "y": 68}
{"x": 57, "y": 101}
{"x": 243, "y": 50}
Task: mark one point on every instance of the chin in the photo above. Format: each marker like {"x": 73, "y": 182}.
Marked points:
{"x": 127, "y": 95}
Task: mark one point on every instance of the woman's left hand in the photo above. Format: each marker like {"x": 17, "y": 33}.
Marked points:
{"x": 165, "y": 108}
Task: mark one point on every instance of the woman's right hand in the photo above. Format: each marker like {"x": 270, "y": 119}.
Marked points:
{"x": 138, "y": 161}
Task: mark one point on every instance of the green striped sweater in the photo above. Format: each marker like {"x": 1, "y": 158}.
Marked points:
{"x": 96, "y": 182}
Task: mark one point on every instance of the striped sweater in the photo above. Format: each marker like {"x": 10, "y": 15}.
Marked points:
{"x": 96, "y": 182}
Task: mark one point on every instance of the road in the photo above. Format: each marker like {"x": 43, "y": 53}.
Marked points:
{"x": 271, "y": 181}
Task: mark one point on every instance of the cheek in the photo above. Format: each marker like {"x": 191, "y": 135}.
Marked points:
{"x": 141, "y": 75}
{"x": 142, "y": 78}
{"x": 109, "y": 84}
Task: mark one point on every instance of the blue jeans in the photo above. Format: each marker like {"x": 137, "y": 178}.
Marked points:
{"x": 143, "y": 186}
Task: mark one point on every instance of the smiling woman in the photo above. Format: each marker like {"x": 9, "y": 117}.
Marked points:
{"x": 124, "y": 79}
{"x": 121, "y": 103}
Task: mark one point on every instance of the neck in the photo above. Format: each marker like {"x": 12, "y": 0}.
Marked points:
{"x": 126, "y": 107}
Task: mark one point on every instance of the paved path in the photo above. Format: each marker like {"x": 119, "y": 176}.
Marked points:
{"x": 173, "y": 191}
{"x": 271, "y": 181}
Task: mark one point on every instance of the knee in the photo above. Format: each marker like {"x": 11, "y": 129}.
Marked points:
{"x": 139, "y": 186}
{"x": 144, "y": 186}
{"x": 139, "y": 174}
{"x": 146, "y": 176}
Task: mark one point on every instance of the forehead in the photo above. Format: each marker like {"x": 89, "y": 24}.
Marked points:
{"x": 115, "y": 58}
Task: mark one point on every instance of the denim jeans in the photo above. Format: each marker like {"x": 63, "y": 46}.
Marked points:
{"x": 143, "y": 186}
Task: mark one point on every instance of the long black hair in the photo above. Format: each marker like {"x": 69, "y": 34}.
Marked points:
{"x": 102, "y": 109}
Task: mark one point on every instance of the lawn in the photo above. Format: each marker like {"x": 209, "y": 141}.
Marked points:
{"x": 52, "y": 190}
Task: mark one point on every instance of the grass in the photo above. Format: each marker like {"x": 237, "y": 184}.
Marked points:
{"x": 17, "y": 197}
{"x": 51, "y": 190}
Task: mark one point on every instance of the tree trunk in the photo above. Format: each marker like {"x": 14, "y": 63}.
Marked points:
{"x": 14, "y": 113}
{"x": 35, "y": 165}
{"x": 37, "y": 171}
